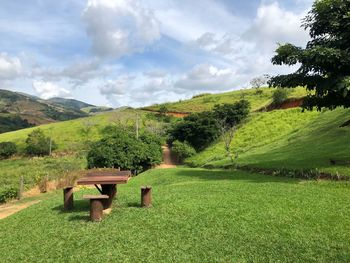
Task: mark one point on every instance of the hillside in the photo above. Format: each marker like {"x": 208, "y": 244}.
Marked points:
{"x": 70, "y": 103}
{"x": 287, "y": 139}
{"x": 205, "y": 101}
{"x": 18, "y": 110}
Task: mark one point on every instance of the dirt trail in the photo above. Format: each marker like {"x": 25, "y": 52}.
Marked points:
{"x": 13, "y": 207}
{"x": 169, "y": 160}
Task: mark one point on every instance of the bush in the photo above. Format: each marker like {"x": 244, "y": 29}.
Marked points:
{"x": 121, "y": 149}
{"x": 7, "y": 193}
{"x": 7, "y": 149}
{"x": 199, "y": 130}
{"x": 182, "y": 150}
{"x": 279, "y": 96}
{"x": 38, "y": 144}
{"x": 232, "y": 114}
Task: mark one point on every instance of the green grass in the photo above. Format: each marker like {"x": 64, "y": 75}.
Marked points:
{"x": 287, "y": 139}
{"x": 33, "y": 169}
{"x": 207, "y": 102}
{"x": 197, "y": 216}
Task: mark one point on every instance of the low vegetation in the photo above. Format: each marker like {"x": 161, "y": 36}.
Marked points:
{"x": 120, "y": 148}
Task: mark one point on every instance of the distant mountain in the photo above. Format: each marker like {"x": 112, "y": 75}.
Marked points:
{"x": 19, "y": 110}
{"x": 70, "y": 103}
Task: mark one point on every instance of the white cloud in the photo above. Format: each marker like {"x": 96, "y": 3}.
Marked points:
{"x": 274, "y": 24}
{"x": 116, "y": 87}
{"x": 49, "y": 90}
{"x": 78, "y": 73}
{"x": 119, "y": 27}
{"x": 205, "y": 77}
{"x": 10, "y": 67}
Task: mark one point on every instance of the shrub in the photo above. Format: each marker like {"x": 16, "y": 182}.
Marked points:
{"x": 182, "y": 150}
{"x": 7, "y": 193}
{"x": 38, "y": 144}
{"x": 232, "y": 114}
{"x": 279, "y": 96}
{"x": 7, "y": 149}
{"x": 199, "y": 130}
{"x": 122, "y": 149}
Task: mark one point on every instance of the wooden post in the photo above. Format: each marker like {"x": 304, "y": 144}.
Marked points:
{"x": 146, "y": 196}
{"x": 68, "y": 199}
{"x": 96, "y": 210}
{"x": 20, "y": 189}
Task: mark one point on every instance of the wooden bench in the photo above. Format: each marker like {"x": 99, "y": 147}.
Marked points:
{"x": 96, "y": 206}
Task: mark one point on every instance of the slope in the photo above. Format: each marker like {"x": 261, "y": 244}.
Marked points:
{"x": 207, "y": 101}
{"x": 287, "y": 139}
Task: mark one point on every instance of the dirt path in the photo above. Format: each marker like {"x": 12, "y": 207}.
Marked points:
{"x": 13, "y": 207}
{"x": 169, "y": 160}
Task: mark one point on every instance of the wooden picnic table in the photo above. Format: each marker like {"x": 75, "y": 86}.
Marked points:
{"x": 108, "y": 181}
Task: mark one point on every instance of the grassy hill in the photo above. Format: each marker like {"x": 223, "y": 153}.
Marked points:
{"x": 18, "y": 110}
{"x": 287, "y": 139}
{"x": 197, "y": 216}
{"x": 207, "y": 101}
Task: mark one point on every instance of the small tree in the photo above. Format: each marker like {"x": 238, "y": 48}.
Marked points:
{"x": 182, "y": 150}
{"x": 227, "y": 134}
{"x": 232, "y": 114}
{"x": 38, "y": 144}
{"x": 258, "y": 82}
{"x": 7, "y": 149}
{"x": 279, "y": 96}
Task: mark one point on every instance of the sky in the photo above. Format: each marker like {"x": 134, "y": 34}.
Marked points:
{"x": 136, "y": 52}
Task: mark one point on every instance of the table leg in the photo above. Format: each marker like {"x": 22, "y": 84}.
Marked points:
{"x": 111, "y": 191}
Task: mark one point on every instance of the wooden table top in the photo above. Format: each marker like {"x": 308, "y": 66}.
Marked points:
{"x": 105, "y": 177}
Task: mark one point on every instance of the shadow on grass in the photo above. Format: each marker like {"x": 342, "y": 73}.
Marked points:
{"x": 79, "y": 206}
{"x": 133, "y": 204}
{"x": 79, "y": 218}
{"x": 238, "y": 175}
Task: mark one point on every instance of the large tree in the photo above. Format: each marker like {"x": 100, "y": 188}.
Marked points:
{"x": 325, "y": 62}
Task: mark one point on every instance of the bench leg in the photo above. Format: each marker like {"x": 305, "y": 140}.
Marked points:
{"x": 68, "y": 200}
{"x": 146, "y": 196}
{"x": 96, "y": 210}
{"x": 111, "y": 191}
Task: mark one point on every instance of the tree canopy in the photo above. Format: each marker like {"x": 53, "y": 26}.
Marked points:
{"x": 325, "y": 61}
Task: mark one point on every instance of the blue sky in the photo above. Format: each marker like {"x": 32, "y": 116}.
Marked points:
{"x": 138, "y": 52}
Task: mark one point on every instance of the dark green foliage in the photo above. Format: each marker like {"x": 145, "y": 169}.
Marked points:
{"x": 7, "y": 193}
{"x": 120, "y": 148}
{"x": 325, "y": 62}
{"x": 7, "y": 149}
{"x": 182, "y": 150}
{"x": 9, "y": 122}
{"x": 38, "y": 144}
{"x": 199, "y": 130}
{"x": 232, "y": 114}
{"x": 279, "y": 96}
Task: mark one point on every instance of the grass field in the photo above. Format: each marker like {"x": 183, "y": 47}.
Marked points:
{"x": 197, "y": 216}
{"x": 287, "y": 139}
{"x": 68, "y": 135}
{"x": 208, "y": 101}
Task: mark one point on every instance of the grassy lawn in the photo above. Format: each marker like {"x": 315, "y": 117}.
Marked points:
{"x": 208, "y": 101}
{"x": 198, "y": 216}
{"x": 287, "y": 139}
